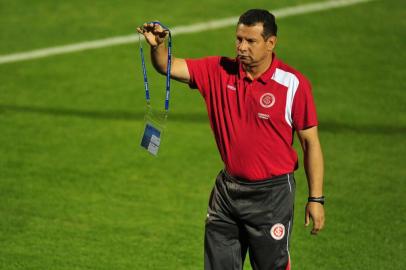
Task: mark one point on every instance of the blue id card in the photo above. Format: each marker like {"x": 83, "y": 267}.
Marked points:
{"x": 151, "y": 138}
{"x": 154, "y": 125}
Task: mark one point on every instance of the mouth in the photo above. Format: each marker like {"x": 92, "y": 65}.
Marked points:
{"x": 243, "y": 57}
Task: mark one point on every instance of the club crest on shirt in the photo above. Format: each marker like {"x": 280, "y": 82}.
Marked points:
{"x": 267, "y": 100}
{"x": 278, "y": 231}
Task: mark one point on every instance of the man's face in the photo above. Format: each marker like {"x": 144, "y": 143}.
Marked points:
{"x": 251, "y": 46}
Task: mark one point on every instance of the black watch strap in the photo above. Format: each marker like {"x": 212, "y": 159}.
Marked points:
{"x": 316, "y": 199}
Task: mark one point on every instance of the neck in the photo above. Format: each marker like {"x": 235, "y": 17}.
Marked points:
{"x": 255, "y": 70}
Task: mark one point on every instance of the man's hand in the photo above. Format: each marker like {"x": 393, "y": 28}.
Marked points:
{"x": 155, "y": 35}
{"x": 315, "y": 211}
{"x": 153, "y": 32}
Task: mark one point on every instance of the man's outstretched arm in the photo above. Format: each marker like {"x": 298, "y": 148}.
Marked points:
{"x": 314, "y": 167}
{"x": 155, "y": 36}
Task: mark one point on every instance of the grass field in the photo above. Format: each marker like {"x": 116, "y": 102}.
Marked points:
{"x": 76, "y": 191}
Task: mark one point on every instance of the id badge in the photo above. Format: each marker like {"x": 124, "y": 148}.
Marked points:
{"x": 154, "y": 124}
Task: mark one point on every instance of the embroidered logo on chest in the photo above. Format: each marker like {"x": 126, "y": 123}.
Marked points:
{"x": 267, "y": 100}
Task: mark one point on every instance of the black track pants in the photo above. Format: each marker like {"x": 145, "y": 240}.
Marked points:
{"x": 249, "y": 216}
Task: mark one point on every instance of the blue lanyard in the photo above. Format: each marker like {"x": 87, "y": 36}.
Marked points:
{"x": 168, "y": 69}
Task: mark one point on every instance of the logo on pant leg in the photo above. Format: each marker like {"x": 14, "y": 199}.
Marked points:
{"x": 278, "y": 231}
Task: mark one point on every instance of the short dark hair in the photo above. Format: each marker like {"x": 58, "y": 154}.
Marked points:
{"x": 254, "y": 16}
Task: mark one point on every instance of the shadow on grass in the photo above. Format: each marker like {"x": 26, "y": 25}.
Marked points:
{"x": 324, "y": 125}
{"x": 100, "y": 115}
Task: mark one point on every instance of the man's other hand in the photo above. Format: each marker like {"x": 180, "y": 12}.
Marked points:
{"x": 314, "y": 211}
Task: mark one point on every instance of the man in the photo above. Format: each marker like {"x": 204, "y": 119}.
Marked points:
{"x": 255, "y": 103}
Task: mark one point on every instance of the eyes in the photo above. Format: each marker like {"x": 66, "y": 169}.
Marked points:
{"x": 250, "y": 41}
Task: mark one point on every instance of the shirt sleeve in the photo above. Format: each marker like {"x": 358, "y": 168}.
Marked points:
{"x": 201, "y": 72}
{"x": 304, "y": 110}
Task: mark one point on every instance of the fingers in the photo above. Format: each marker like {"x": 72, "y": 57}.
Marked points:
{"x": 318, "y": 225}
{"x": 307, "y": 217}
{"x": 153, "y": 27}
{"x": 144, "y": 28}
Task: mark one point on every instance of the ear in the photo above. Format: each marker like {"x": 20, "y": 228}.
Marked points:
{"x": 271, "y": 43}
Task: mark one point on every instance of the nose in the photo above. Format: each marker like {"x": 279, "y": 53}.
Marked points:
{"x": 242, "y": 45}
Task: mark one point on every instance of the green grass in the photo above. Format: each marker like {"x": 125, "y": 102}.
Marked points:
{"x": 76, "y": 191}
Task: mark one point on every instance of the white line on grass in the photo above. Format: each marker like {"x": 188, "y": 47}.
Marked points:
{"x": 194, "y": 28}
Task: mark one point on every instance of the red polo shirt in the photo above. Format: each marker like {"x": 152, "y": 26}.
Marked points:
{"x": 253, "y": 121}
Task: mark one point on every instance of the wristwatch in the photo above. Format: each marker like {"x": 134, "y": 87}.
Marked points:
{"x": 316, "y": 199}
